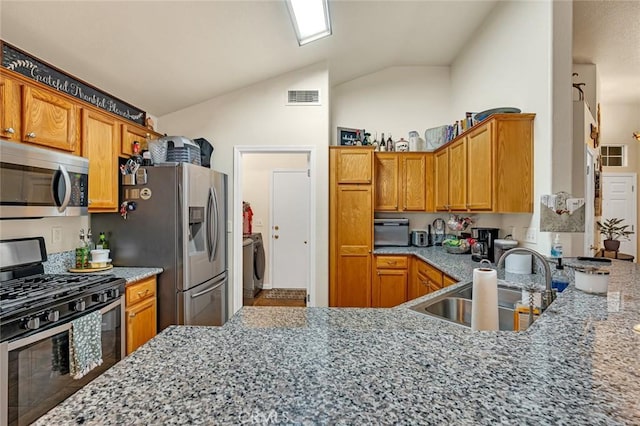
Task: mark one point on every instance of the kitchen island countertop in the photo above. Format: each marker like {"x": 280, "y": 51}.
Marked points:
{"x": 577, "y": 364}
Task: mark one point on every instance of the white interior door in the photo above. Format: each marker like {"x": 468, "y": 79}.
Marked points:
{"x": 290, "y": 229}
{"x": 619, "y": 200}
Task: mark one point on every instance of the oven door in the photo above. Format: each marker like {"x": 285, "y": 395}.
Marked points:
{"x": 34, "y": 376}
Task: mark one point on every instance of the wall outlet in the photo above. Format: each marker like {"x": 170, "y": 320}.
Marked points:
{"x": 531, "y": 235}
{"x": 258, "y": 222}
{"x": 56, "y": 235}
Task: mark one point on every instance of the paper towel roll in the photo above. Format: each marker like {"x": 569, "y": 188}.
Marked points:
{"x": 484, "y": 304}
{"x": 518, "y": 263}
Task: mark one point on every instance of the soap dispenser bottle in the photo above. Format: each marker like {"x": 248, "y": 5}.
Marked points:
{"x": 560, "y": 279}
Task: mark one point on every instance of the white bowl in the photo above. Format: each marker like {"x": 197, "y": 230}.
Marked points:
{"x": 100, "y": 255}
{"x": 592, "y": 280}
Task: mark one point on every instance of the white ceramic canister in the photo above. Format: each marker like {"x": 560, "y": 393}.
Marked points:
{"x": 518, "y": 263}
{"x": 592, "y": 280}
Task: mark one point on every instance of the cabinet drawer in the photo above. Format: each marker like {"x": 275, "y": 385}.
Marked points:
{"x": 392, "y": 262}
{"x": 429, "y": 271}
{"x": 140, "y": 290}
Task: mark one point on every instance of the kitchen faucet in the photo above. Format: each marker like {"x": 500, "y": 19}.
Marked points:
{"x": 549, "y": 295}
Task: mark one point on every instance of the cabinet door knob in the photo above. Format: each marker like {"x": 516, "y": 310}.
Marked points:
{"x": 31, "y": 135}
{"x": 9, "y": 130}
{"x": 132, "y": 315}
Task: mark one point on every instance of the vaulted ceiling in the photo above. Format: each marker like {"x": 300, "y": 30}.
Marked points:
{"x": 163, "y": 56}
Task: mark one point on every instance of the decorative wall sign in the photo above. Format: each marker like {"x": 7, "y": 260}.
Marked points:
{"x": 23, "y": 63}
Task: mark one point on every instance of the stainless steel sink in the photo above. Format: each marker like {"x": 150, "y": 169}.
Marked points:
{"x": 455, "y": 306}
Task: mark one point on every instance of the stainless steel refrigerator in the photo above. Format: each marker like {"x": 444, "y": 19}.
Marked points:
{"x": 179, "y": 224}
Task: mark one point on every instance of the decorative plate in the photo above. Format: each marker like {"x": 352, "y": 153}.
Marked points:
{"x": 480, "y": 116}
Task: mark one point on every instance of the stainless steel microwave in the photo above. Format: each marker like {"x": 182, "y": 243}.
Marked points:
{"x": 37, "y": 182}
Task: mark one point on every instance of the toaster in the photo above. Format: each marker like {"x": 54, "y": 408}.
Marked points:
{"x": 419, "y": 238}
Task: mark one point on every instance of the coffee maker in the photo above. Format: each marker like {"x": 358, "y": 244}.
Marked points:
{"x": 484, "y": 247}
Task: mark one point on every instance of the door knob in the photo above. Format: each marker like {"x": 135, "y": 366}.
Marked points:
{"x": 276, "y": 237}
{"x": 305, "y": 242}
{"x": 276, "y": 227}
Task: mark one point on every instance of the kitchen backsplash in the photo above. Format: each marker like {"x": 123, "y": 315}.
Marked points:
{"x": 58, "y": 263}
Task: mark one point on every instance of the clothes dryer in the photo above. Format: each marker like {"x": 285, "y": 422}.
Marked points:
{"x": 258, "y": 260}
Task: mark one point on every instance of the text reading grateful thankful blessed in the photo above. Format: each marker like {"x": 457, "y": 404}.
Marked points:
{"x": 30, "y": 67}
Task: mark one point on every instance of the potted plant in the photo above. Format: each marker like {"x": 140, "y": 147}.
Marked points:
{"x": 612, "y": 230}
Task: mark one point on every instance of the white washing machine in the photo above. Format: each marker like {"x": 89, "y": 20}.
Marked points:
{"x": 258, "y": 261}
{"x": 248, "y": 288}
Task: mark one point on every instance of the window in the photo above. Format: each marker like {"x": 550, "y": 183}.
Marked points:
{"x": 613, "y": 155}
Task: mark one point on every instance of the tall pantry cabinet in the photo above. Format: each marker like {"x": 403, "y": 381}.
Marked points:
{"x": 350, "y": 226}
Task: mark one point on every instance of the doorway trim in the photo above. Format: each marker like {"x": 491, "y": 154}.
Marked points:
{"x": 238, "y": 152}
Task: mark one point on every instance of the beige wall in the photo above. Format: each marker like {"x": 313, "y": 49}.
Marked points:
{"x": 70, "y": 227}
{"x": 257, "y": 171}
{"x": 393, "y": 101}
{"x": 619, "y": 121}
{"x": 508, "y": 62}
{"x": 257, "y": 115}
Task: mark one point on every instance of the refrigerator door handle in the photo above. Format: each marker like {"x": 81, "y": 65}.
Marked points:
{"x": 210, "y": 289}
{"x": 215, "y": 226}
{"x": 209, "y": 222}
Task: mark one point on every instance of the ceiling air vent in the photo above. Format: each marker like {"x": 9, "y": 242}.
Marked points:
{"x": 303, "y": 97}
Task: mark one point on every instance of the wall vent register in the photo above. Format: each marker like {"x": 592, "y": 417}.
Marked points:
{"x": 303, "y": 97}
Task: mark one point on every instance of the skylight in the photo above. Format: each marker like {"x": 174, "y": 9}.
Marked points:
{"x": 310, "y": 19}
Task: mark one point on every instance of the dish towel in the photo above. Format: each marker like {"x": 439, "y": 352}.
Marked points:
{"x": 85, "y": 344}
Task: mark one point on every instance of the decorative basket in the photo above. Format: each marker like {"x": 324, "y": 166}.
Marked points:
{"x": 158, "y": 151}
{"x": 457, "y": 250}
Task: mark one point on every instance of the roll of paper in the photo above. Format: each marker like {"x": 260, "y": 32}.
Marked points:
{"x": 484, "y": 303}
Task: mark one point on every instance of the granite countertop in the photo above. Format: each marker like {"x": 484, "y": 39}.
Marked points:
{"x": 59, "y": 263}
{"x": 577, "y": 364}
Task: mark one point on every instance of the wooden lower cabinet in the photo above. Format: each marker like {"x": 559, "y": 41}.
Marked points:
{"x": 447, "y": 280}
{"x": 350, "y": 226}
{"x": 426, "y": 279}
{"x": 140, "y": 312}
{"x": 390, "y": 281}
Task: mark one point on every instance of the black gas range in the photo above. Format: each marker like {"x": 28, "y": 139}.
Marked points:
{"x": 37, "y": 313}
{"x": 34, "y": 302}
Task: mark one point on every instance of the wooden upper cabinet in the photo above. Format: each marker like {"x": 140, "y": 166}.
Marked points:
{"x": 458, "y": 175}
{"x": 354, "y": 165}
{"x": 414, "y": 182}
{"x": 401, "y": 181}
{"x": 513, "y": 145}
{"x": 489, "y": 168}
{"x": 100, "y": 143}
{"x": 130, "y": 134}
{"x": 49, "y": 120}
{"x": 480, "y": 168}
{"x": 10, "y": 113}
{"x": 387, "y": 183}
{"x": 441, "y": 179}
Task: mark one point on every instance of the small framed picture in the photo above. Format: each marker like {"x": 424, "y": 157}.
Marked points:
{"x": 348, "y": 137}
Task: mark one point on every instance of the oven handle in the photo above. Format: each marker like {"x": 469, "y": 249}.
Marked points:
{"x": 19, "y": 343}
